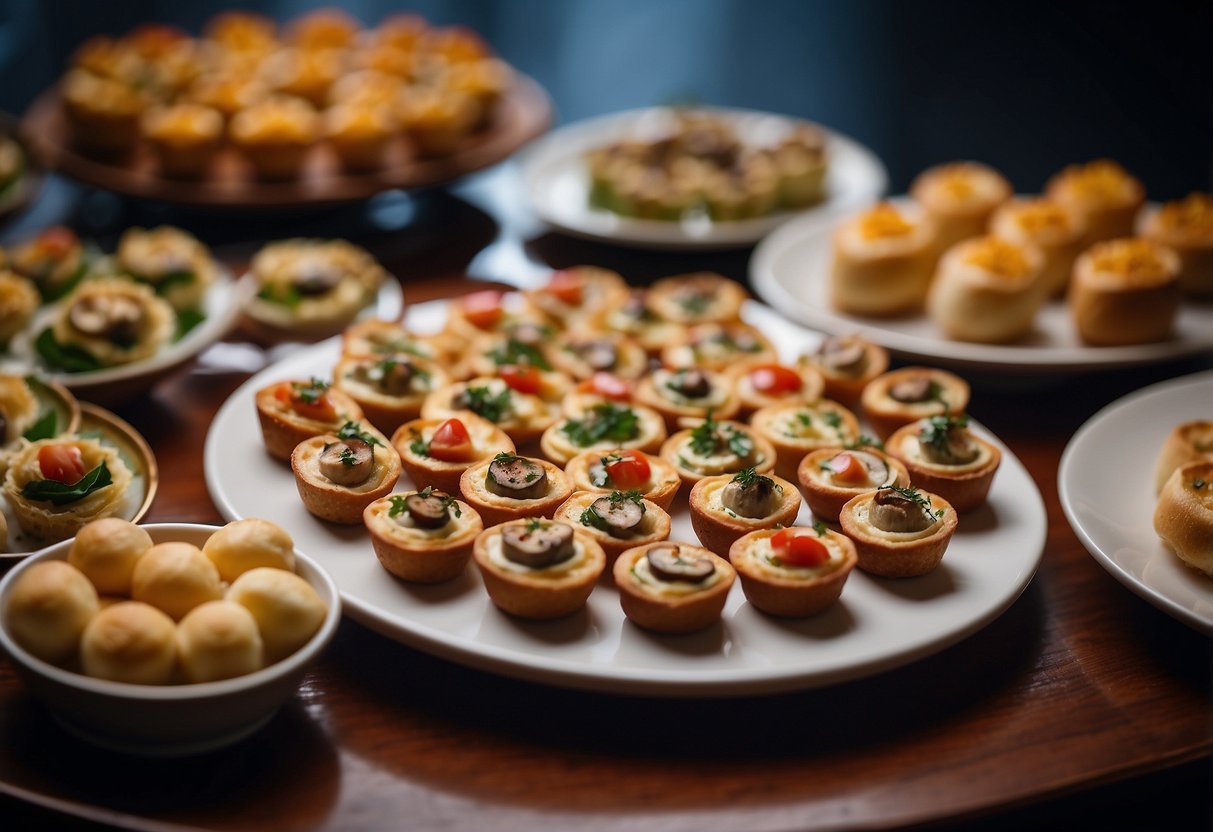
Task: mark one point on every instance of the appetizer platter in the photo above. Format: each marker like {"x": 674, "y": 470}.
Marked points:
{"x": 552, "y": 631}
{"x": 838, "y": 176}
{"x": 1110, "y": 490}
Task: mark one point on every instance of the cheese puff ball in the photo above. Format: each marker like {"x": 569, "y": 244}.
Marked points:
{"x": 175, "y": 578}
{"x": 218, "y": 640}
{"x": 130, "y": 642}
{"x": 48, "y": 608}
{"x": 287, "y": 609}
{"x": 106, "y": 551}
{"x": 248, "y": 544}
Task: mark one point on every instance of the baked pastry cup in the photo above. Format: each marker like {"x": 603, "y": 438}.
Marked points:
{"x": 581, "y": 353}
{"x": 624, "y": 469}
{"x": 390, "y": 389}
{"x": 19, "y": 300}
{"x": 600, "y": 388}
{"x": 846, "y": 364}
{"x": 618, "y": 520}
{"x": 523, "y": 416}
{"x": 175, "y": 263}
{"x": 1125, "y": 292}
{"x": 1058, "y": 235}
{"x": 294, "y": 410}
{"x": 522, "y": 342}
{"x": 360, "y": 132}
{"x": 1186, "y": 227}
{"x": 760, "y": 383}
{"x": 115, "y": 321}
{"x": 340, "y": 475}
{"x": 830, "y": 477}
{"x": 436, "y": 452}
{"x": 509, "y": 486}
{"x": 275, "y": 135}
{"x": 436, "y": 121}
{"x": 725, "y": 507}
{"x": 902, "y": 396}
{"x": 1187, "y": 442}
{"x": 103, "y": 113}
{"x": 684, "y": 395}
{"x": 945, "y": 458}
{"x": 375, "y": 337}
{"x": 670, "y": 587}
{"x": 712, "y": 448}
{"x": 883, "y": 259}
{"x": 719, "y": 346}
{"x": 577, "y": 298}
{"x": 793, "y": 572}
{"x": 1183, "y": 517}
{"x": 185, "y": 138}
{"x": 538, "y": 569}
{"x": 424, "y": 536}
{"x": 1102, "y": 195}
{"x": 987, "y": 290}
{"x": 958, "y": 199}
{"x": 898, "y": 532}
{"x": 795, "y": 428}
{"x": 54, "y": 259}
{"x": 635, "y": 318}
{"x": 604, "y": 427}
{"x": 697, "y": 298}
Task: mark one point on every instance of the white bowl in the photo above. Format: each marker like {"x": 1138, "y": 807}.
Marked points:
{"x": 167, "y": 720}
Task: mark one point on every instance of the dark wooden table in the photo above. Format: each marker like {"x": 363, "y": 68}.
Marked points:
{"x": 1082, "y": 703}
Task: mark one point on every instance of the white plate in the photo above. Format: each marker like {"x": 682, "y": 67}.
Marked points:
{"x": 878, "y": 624}
{"x": 1106, "y": 485}
{"x": 558, "y": 181}
{"x": 790, "y": 270}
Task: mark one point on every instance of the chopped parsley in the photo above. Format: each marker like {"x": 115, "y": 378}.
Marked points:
{"x": 484, "y": 402}
{"x": 534, "y": 524}
{"x": 608, "y": 420}
{"x": 864, "y": 441}
{"x": 820, "y": 528}
{"x": 347, "y": 457}
{"x": 938, "y": 430}
{"x": 514, "y": 351}
{"x": 353, "y": 430}
{"x": 915, "y": 496}
{"x": 418, "y": 445}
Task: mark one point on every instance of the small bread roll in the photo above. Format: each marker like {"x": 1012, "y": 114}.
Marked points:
{"x": 48, "y": 608}
{"x": 1187, "y": 442}
{"x": 1186, "y": 226}
{"x": 219, "y": 640}
{"x": 883, "y": 261}
{"x": 1057, "y": 234}
{"x": 248, "y": 544}
{"x": 987, "y": 290}
{"x": 288, "y": 611}
{"x": 130, "y": 642}
{"x": 958, "y": 199}
{"x": 106, "y": 551}
{"x": 1125, "y": 292}
{"x": 1183, "y": 517}
{"x": 1102, "y": 195}
{"x": 175, "y": 578}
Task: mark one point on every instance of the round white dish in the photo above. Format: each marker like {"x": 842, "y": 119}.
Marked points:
{"x": 559, "y": 185}
{"x": 878, "y": 624}
{"x": 1106, "y": 485}
{"x": 169, "y": 720}
{"x": 790, "y": 270}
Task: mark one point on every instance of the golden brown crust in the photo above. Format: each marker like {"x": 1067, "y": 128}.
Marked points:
{"x": 384, "y": 409}
{"x": 664, "y": 481}
{"x": 488, "y": 440}
{"x": 722, "y": 403}
{"x": 797, "y": 428}
{"x": 719, "y": 346}
{"x": 1102, "y": 194}
{"x": 1186, "y": 227}
{"x": 676, "y": 452}
{"x": 1058, "y": 235}
{"x": 646, "y": 606}
{"x": 825, "y": 497}
{"x": 539, "y": 594}
{"x": 494, "y": 509}
{"x": 1183, "y": 517}
{"x": 1135, "y": 303}
{"x": 44, "y": 519}
{"x": 883, "y": 275}
{"x": 1187, "y": 442}
{"x": 631, "y": 360}
{"x": 846, "y": 388}
{"x": 283, "y": 428}
{"x": 886, "y": 414}
{"x": 958, "y": 199}
{"x": 892, "y": 555}
{"x": 655, "y": 526}
{"x": 788, "y": 595}
{"x": 338, "y": 503}
{"x": 987, "y": 290}
{"x": 600, "y": 291}
{"x": 717, "y": 527}
{"x": 965, "y": 486}
{"x": 696, "y": 298}
{"x": 414, "y": 555}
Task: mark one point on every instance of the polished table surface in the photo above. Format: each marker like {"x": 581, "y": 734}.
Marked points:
{"x": 1081, "y": 702}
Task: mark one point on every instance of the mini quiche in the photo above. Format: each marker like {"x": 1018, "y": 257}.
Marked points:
{"x": 636, "y": 319}
{"x": 725, "y": 507}
{"x": 523, "y": 416}
{"x": 509, "y": 486}
{"x": 898, "y": 532}
{"x": 106, "y": 323}
{"x": 520, "y": 343}
{"x": 1056, "y": 234}
{"x": 687, "y": 393}
{"x": 423, "y": 536}
{"x": 987, "y": 290}
{"x": 1183, "y": 517}
{"x": 603, "y": 426}
{"x": 883, "y": 262}
{"x": 436, "y": 452}
{"x": 578, "y": 297}
{"x": 19, "y": 300}
{"x": 339, "y": 475}
{"x": 958, "y": 199}
{"x": 830, "y": 477}
{"x": 846, "y": 364}
{"x": 795, "y": 428}
{"x": 581, "y": 353}
{"x": 793, "y": 572}
{"x": 56, "y": 486}
{"x": 1186, "y": 227}
{"x": 275, "y": 134}
{"x": 718, "y": 346}
{"x": 1187, "y": 442}
{"x": 599, "y": 388}
{"x": 943, "y": 456}
{"x": 672, "y": 587}
{"x": 698, "y": 298}
{"x": 55, "y": 260}
{"x": 1102, "y": 195}
{"x": 487, "y": 311}
{"x": 618, "y": 520}
{"x": 185, "y": 137}
{"x": 761, "y": 383}
{"x": 1125, "y": 291}
{"x": 391, "y": 388}
{"x": 538, "y": 569}
{"x": 177, "y": 266}
{"x": 294, "y": 410}
{"x": 712, "y": 448}
{"x": 900, "y": 397}
{"x": 624, "y": 469}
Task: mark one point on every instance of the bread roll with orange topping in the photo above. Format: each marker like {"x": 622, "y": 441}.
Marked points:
{"x": 1125, "y": 292}
{"x": 987, "y": 290}
{"x": 1042, "y": 223}
{"x": 958, "y": 199}
{"x": 1186, "y": 227}
{"x": 1102, "y": 194}
{"x": 883, "y": 260}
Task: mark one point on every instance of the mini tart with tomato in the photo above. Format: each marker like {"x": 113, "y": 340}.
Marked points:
{"x": 55, "y": 260}
{"x": 761, "y": 383}
{"x": 713, "y": 448}
{"x": 115, "y": 321}
{"x": 520, "y": 342}
{"x": 1186, "y": 227}
{"x": 1187, "y": 442}
{"x": 636, "y": 319}
{"x": 1056, "y": 234}
{"x": 57, "y": 486}
{"x": 943, "y": 456}
{"x": 377, "y": 338}
{"x": 339, "y": 476}
{"x": 581, "y": 353}
{"x": 829, "y": 477}
{"x": 1102, "y": 195}
{"x": 1125, "y": 292}
{"x": 538, "y": 569}
{"x": 173, "y": 262}
{"x": 390, "y": 389}
{"x": 846, "y": 364}
{"x": 578, "y": 297}
{"x": 793, "y": 572}
{"x": 670, "y": 587}
{"x": 622, "y": 469}
{"x": 725, "y": 507}
{"x": 618, "y": 520}
{"x": 1183, "y": 517}
{"x": 883, "y": 262}
{"x": 902, "y": 396}
{"x": 294, "y": 410}
{"x": 523, "y": 416}
{"x": 19, "y": 300}
{"x": 898, "y": 532}
{"x": 718, "y": 346}
{"x": 987, "y": 290}
{"x": 688, "y": 393}
{"x": 423, "y": 536}
{"x": 794, "y": 429}
{"x": 508, "y": 486}
{"x": 475, "y": 314}
{"x": 604, "y": 426}
{"x": 697, "y": 298}
{"x": 958, "y": 199}
{"x": 599, "y": 388}
{"x": 436, "y": 452}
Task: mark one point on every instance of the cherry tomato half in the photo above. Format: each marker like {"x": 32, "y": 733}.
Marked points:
{"x": 848, "y": 469}
{"x": 631, "y": 470}
{"x": 566, "y": 285}
{"x": 61, "y": 463}
{"x": 521, "y": 378}
{"x": 775, "y": 379}
{"x": 57, "y": 241}
{"x": 797, "y": 547}
{"x": 608, "y": 386}
{"x": 320, "y": 409}
{"x": 482, "y": 309}
{"x": 451, "y": 442}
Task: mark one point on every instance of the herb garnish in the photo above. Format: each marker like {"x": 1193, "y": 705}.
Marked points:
{"x": 705, "y": 438}
{"x": 608, "y": 420}
{"x": 66, "y": 357}
{"x": 353, "y": 430}
{"x": 418, "y": 444}
{"x": 915, "y": 496}
{"x": 938, "y": 429}
{"x": 309, "y": 392}
{"x": 287, "y": 295}
{"x": 514, "y": 351}
{"x": 44, "y": 428}
{"x": 484, "y": 402}
{"x": 534, "y": 524}
{"x": 864, "y": 441}
{"x": 591, "y": 517}
{"x": 347, "y": 457}
{"x": 61, "y": 494}
{"x": 820, "y": 528}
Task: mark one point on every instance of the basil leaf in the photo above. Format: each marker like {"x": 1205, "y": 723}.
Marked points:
{"x": 46, "y": 427}
{"x": 187, "y": 319}
{"x": 68, "y": 358}
{"x": 60, "y": 494}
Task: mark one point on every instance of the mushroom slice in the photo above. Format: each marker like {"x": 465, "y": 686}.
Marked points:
{"x": 348, "y": 462}
{"x": 878, "y": 469}
{"x": 114, "y": 317}
{"x": 669, "y": 564}
{"x": 752, "y": 497}
{"x": 598, "y": 353}
{"x": 619, "y": 516}
{"x": 537, "y": 544}
{"x": 516, "y": 477}
{"x": 913, "y": 389}
{"x": 691, "y": 383}
{"x": 429, "y": 511}
{"x": 843, "y": 354}
{"x": 894, "y": 512}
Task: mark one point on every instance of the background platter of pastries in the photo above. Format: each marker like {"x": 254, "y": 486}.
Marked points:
{"x": 550, "y": 436}
{"x": 980, "y": 262}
